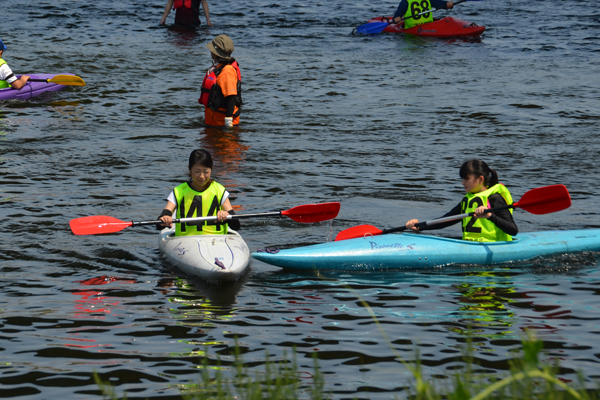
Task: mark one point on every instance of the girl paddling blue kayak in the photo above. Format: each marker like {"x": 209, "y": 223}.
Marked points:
{"x": 367, "y": 248}
{"x": 483, "y": 192}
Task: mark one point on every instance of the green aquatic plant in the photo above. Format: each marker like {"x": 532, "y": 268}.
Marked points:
{"x": 531, "y": 379}
{"x": 528, "y": 378}
{"x": 278, "y": 380}
{"x": 108, "y": 391}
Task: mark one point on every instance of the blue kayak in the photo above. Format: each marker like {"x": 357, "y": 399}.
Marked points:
{"x": 410, "y": 250}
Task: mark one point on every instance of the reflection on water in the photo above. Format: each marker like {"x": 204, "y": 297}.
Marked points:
{"x": 484, "y": 303}
{"x": 226, "y": 147}
{"x": 71, "y": 110}
{"x": 3, "y": 127}
{"x": 92, "y": 303}
{"x": 228, "y": 152}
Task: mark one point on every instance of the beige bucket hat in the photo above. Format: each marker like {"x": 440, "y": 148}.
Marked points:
{"x": 221, "y": 46}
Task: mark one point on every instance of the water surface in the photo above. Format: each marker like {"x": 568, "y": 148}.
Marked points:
{"x": 380, "y": 124}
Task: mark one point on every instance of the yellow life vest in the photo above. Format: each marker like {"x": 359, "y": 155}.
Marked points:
{"x": 191, "y": 204}
{"x": 3, "y": 84}
{"x": 415, "y": 7}
{"x": 482, "y": 229}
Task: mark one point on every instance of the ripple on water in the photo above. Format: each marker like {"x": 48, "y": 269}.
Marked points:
{"x": 380, "y": 123}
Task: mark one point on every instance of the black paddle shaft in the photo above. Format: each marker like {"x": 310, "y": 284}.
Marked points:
{"x": 450, "y": 218}
{"x": 182, "y": 220}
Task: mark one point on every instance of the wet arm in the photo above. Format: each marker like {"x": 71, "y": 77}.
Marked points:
{"x": 205, "y": 9}
{"x": 167, "y": 11}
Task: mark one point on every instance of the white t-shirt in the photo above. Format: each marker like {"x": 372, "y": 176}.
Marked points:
{"x": 6, "y": 74}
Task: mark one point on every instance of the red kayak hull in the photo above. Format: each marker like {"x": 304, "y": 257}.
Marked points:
{"x": 446, "y": 27}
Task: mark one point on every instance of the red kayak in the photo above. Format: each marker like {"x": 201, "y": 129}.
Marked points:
{"x": 441, "y": 28}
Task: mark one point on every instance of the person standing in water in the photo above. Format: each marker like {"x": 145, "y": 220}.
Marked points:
{"x": 221, "y": 92}
{"x": 483, "y": 192}
{"x": 187, "y": 12}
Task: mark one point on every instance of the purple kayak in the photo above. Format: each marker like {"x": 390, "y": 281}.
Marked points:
{"x": 32, "y": 89}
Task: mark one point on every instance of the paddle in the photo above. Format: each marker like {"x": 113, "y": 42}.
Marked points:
{"x": 371, "y": 28}
{"x": 103, "y": 224}
{"x": 67, "y": 80}
{"x": 543, "y": 200}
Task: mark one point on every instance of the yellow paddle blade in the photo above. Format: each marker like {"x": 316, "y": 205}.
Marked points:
{"x": 67, "y": 80}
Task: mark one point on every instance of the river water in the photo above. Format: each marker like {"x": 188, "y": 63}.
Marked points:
{"x": 380, "y": 124}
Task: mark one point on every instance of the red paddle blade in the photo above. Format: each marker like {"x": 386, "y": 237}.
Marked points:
{"x": 358, "y": 232}
{"x": 545, "y": 200}
{"x": 313, "y": 212}
{"x": 97, "y": 224}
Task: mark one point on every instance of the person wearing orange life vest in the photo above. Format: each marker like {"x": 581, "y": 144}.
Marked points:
{"x": 187, "y": 12}
{"x": 221, "y": 92}
{"x": 411, "y": 8}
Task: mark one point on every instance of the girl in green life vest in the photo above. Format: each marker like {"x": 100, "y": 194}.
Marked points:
{"x": 482, "y": 193}
{"x": 410, "y": 11}
{"x": 199, "y": 197}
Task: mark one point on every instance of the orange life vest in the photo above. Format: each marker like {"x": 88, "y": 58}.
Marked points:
{"x": 211, "y": 95}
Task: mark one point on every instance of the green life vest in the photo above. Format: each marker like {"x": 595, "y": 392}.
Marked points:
{"x": 482, "y": 229}
{"x": 191, "y": 203}
{"x": 415, "y": 7}
{"x": 3, "y": 84}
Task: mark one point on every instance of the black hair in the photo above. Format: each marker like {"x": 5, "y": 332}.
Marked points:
{"x": 202, "y": 157}
{"x": 221, "y": 60}
{"x": 227, "y": 61}
{"x": 479, "y": 168}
